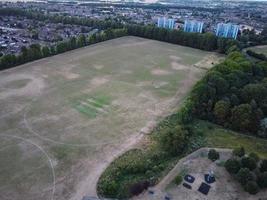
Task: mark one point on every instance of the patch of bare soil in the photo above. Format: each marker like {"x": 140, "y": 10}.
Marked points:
{"x": 99, "y": 80}
{"x": 178, "y": 66}
{"x": 98, "y": 67}
{"x": 175, "y": 58}
{"x": 160, "y": 72}
{"x": 69, "y": 75}
{"x": 159, "y": 84}
{"x": 208, "y": 62}
{"x": 31, "y": 88}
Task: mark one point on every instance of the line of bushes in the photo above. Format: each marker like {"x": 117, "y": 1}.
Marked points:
{"x": 248, "y": 170}
{"x": 35, "y": 51}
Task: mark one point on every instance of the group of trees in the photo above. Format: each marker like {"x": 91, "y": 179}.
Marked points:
{"x": 251, "y": 38}
{"x": 35, "y": 51}
{"x": 249, "y": 170}
{"x": 232, "y": 94}
{"x": 206, "y": 41}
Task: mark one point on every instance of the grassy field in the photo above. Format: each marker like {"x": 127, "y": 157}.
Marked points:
{"x": 259, "y": 49}
{"x": 71, "y": 114}
{"x": 216, "y": 136}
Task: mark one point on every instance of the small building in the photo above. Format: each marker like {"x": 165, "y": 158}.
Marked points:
{"x": 164, "y": 22}
{"x": 193, "y": 26}
{"x": 227, "y": 30}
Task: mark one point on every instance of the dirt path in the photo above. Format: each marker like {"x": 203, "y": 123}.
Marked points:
{"x": 89, "y": 184}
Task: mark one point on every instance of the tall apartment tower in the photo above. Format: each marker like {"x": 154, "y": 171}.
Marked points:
{"x": 228, "y": 30}
{"x": 193, "y": 26}
{"x": 164, "y": 22}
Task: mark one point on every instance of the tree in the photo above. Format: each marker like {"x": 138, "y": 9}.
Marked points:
{"x": 254, "y": 156}
{"x": 72, "y": 43}
{"x": 232, "y": 165}
{"x": 262, "y": 180}
{"x": 173, "y": 140}
{"x": 216, "y": 80}
{"x": 7, "y": 61}
{"x": 251, "y": 187}
{"x": 244, "y": 175}
{"x": 263, "y": 165}
{"x": 81, "y": 42}
{"x": 45, "y": 51}
{"x": 213, "y": 155}
{"x": 239, "y": 151}
{"x": 221, "y": 111}
{"x": 34, "y": 52}
{"x": 253, "y": 92}
{"x": 241, "y": 117}
{"x": 248, "y": 162}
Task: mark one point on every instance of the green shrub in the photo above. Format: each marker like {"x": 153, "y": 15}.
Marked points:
{"x": 254, "y": 156}
{"x": 251, "y": 187}
{"x": 244, "y": 175}
{"x": 263, "y": 165}
{"x": 213, "y": 155}
{"x": 240, "y": 151}
{"x": 173, "y": 140}
{"x": 232, "y": 165}
{"x": 178, "y": 179}
{"x": 248, "y": 162}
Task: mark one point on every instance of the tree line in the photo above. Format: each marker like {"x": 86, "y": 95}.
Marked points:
{"x": 35, "y": 51}
{"x": 232, "y": 94}
{"x": 203, "y": 41}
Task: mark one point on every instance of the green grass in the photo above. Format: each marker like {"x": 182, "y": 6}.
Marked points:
{"x": 259, "y": 49}
{"x": 216, "y": 136}
{"x": 91, "y": 106}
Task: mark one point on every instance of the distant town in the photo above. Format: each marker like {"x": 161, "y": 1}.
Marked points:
{"x": 209, "y": 16}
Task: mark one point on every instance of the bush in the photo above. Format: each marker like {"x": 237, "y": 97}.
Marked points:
{"x": 109, "y": 188}
{"x": 254, "y": 156}
{"x": 213, "y": 155}
{"x": 262, "y": 180}
{"x": 173, "y": 140}
{"x": 178, "y": 180}
{"x": 263, "y": 166}
{"x": 251, "y": 187}
{"x": 232, "y": 166}
{"x": 244, "y": 175}
{"x": 139, "y": 187}
{"x": 240, "y": 151}
{"x": 248, "y": 162}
